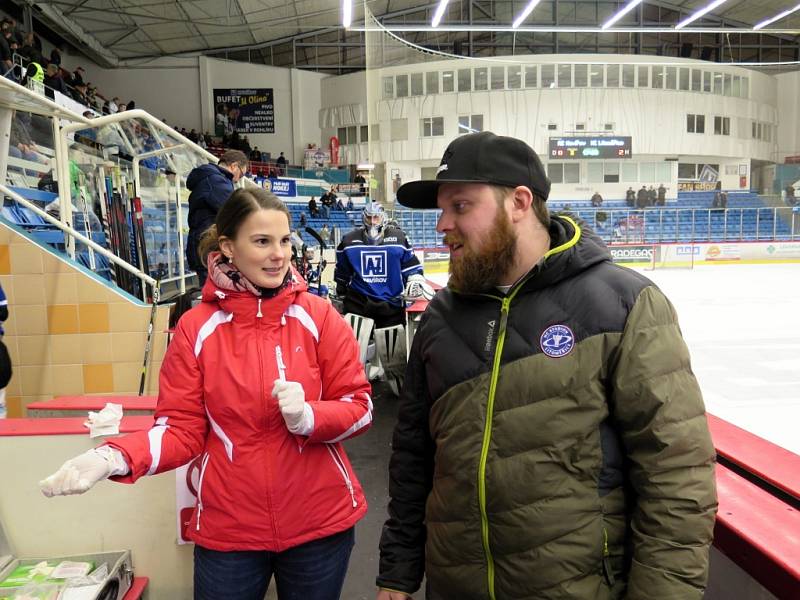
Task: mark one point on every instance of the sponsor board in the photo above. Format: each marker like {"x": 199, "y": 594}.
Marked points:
{"x": 281, "y": 187}
{"x": 722, "y": 252}
{"x": 631, "y": 254}
{"x": 710, "y": 253}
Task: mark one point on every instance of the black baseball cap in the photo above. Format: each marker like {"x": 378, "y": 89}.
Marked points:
{"x": 480, "y": 158}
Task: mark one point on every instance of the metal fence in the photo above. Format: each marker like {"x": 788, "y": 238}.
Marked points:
{"x": 652, "y": 225}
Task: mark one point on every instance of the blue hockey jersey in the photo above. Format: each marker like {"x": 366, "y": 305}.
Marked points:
{"x": 378, "y": 271}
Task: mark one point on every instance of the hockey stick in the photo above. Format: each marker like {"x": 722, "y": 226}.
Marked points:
{"x": 322, "y": 246}
{"x": 149, "y": 343}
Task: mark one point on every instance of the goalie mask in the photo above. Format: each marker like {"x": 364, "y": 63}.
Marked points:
{"x": 373, "y": 218}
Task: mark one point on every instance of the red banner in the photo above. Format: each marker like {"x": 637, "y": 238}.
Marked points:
{"x": 334, "y": 151}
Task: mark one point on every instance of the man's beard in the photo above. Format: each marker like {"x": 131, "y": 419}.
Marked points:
{"x": 480, "y": 270}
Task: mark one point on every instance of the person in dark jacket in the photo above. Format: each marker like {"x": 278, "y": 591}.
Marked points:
{"x": 540, "y": 450}
{"x": 210, "y": 186}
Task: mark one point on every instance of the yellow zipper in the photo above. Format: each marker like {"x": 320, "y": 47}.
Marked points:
{"x": 487, "y": 437}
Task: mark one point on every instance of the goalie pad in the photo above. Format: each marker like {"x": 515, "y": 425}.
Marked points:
{"x": 362, "y": 328}
{"x": 390, "y": 348}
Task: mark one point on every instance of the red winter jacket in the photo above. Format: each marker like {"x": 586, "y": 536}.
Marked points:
{"x": 261, "y": 487}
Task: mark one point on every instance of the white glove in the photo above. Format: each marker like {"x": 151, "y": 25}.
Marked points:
{"x": 297, "y": 413}
{"x": 79, "y": 474}
{"x": 417, "y": 288}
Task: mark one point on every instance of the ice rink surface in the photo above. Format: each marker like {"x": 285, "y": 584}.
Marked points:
{"x": 742, "y": 326}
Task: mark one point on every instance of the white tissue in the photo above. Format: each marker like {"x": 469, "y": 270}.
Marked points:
{"x": 105, "y": 422}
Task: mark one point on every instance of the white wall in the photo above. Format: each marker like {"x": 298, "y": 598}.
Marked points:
{"x": 296, "y": 97}
{"x": 788, "y": 114}
{"x": 167, "y": 88}
{"x": 656, "y": 119}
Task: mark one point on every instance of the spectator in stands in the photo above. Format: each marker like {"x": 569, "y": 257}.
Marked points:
{"x": 723, "y": 200}
{"x": 339, "y": 205}
{"x": 641, "y": 197}
{"x": 326, "y": 204}
{"x": 716, "y": 202}
{"x": 30, "y": 50}
{"x": 282, "y": 163}
{"x": 630, "y": 197}
{"x": 662, "y": 195}
{"x": 303, "y": 221}
{"x": 255, "y": 154}
{"x": 34, "y": 72}
{"x": 652, "y": 195}
{"x": 246, "y": 145}
{"x": 313, "y": 210}
{"x": 131, "y": 105}
{"x": 791, "y": 199}
{"x": 627, "y": 505}
{"x": 597, "y": 199}
{"x": 53, "y": 79}
{"x": 21, "y": 144}
{"x": 325, "y": 233}
{"x": 77, "y": 76}
{"x": 349, "y": 205}
{"x": 6, "y": 62}
{"x": 359, "y": 179}
{"x": 79, "y": 94}
{"x": 210, "y": 186}
{"x": 55, "y": 57}
{"x": 297, "y": 241}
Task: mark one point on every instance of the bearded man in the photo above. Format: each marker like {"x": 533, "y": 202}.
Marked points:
{"x": 551, "y": 439}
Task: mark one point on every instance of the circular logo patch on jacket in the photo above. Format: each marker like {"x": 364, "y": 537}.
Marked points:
{"x": 557, "y": 341}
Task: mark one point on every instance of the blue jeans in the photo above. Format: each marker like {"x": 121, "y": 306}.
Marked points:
{"x": 311, "y": 571}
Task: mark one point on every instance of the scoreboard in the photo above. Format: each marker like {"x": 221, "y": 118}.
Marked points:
{"x": 590, "y": 147}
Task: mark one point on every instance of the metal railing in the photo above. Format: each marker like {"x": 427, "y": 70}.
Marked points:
{"x": 694, "y": 224}
{"x": 652, "y": 225}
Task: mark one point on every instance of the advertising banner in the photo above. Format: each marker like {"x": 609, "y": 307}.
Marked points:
{"x": 281, "y": 187}
{"x": 632, "y": 254}
{"x": 250, "y": 110}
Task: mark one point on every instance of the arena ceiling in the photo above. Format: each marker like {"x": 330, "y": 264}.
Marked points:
{"x": 308, "y": 33}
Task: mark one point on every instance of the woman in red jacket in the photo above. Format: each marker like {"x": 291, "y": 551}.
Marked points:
{"x": 263, "y": 381}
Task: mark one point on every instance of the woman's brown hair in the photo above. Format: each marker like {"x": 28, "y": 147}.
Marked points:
{"x": 240, "y": 205}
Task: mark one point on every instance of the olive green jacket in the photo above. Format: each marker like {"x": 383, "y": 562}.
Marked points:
{"x": 552, "y": 443}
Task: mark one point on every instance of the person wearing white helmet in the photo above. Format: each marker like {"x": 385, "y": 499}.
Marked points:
{"x": 376, "y": 273}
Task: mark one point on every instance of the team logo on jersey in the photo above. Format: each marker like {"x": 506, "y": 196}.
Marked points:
{"x": 557, "y": 341}
{"x": 373, "y": 264}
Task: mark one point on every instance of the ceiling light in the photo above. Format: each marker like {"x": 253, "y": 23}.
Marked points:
{"x": 524, "y": 14}
{"x": 628, "y": 8}
{"x": 347, "y": 12}
{"x": 785, "y": 13}
{"x": 437, "y": 16}
{"x": 700, "y": 13}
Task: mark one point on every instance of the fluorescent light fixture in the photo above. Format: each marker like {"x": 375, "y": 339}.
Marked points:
{"x": 437, "y": 16}
{"x": 466, "y": 128}
{"x": 365, "y": 167}
{"x": 347, "y": 12}
{"x": 628, "y": 8}
{"x": 700, "y": 13}
{"x": 785, "y": 13}
{"x": 524, "y": 14}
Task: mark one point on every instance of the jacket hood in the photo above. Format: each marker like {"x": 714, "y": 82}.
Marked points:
{"x": 238, "y": 296}
{"x": 207, "y": 171}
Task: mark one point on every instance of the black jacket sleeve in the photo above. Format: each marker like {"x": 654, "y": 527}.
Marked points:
{"x": 402, "y": 545}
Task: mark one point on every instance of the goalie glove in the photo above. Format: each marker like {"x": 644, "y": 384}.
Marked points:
{"x": 418, "y": 289}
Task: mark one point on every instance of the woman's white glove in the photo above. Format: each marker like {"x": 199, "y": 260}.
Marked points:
{"x": 418, "y": 288}
{"x": 297, "y": 413}
{"x": 79, "y": 474}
